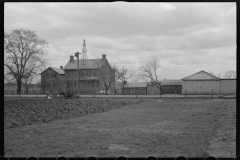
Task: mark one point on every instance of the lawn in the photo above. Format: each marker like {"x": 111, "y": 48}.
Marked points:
{"x": 156, "y": 127}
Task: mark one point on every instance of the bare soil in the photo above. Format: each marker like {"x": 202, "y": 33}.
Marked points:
{"x": 156, "y": 127}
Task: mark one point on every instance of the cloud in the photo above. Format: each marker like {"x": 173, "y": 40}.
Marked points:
{"x": 185, "y": 36}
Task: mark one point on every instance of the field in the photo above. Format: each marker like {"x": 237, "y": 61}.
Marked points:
{"x": 120, "y": 127}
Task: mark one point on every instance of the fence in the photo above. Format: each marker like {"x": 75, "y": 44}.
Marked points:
{"x": 14, "y": 92}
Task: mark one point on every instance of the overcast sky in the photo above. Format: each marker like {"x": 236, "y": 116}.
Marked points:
{"x": 187, "y": 37}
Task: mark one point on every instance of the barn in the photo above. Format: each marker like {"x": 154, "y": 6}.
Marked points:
{"x": 135, "y": 89}
{"x": 204, "y": 83}
{"x": 169, "y": 86}
{"x": 172, "y": 86}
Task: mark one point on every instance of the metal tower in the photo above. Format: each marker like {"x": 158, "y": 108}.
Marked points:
{"x": 84, "y": 58}
{"x": 84, "y": 67}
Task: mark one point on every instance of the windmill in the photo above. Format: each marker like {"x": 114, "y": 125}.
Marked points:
{"x": 84, "y": 66}
{"x": 84, "y": 58}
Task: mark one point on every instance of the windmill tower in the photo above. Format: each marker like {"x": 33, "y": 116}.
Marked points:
{"x": 84, "y": 58}
{"x": 84, "y": 67}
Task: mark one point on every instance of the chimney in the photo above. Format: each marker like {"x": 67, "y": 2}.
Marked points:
{"x": 61, "y": 67}
{"x": 103, "y": 56}
{"x": 71, "y": 58}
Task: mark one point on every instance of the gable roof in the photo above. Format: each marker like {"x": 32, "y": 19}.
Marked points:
{"x": 58, "y": 70}
{"x": 200, "y": 75}
{"x": 92, "y": 64}
{"x": 134, "y": 85}
{"x": 172, "y": 82}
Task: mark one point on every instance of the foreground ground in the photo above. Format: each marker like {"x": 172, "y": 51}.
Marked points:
{"x": 162, "y": 128}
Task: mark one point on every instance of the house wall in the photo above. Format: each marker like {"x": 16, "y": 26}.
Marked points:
{"x": 85, "y": 86}
{"x": 206, "y": 87}
{"x": 106, "y": 74}
{"x": 47, "y": 81}
{"x": 134, "y": 91}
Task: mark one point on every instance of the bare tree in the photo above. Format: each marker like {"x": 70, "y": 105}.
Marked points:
{"x": 149, "y": 72}
{"x": 123, "y": 74}
{"x": 24, "y": 55}
{"x": 230, "y": 74}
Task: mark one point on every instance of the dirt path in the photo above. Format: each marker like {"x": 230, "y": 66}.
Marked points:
{"x": 162, "y": 128}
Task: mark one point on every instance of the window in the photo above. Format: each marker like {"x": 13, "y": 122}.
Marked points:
{"x": 89, "y": 73}
{"x": 132, "y": 90}
{"x": 140, "y": 89}
{"x": 92, "y": 84}
{"x": 53, "y": 84}
{"x": 92, "y": 73}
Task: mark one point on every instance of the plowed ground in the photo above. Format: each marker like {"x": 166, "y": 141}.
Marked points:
{"x": 161, "y": 128}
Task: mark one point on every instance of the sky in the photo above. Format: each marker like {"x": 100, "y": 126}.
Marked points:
{"x": 186, "y": 37}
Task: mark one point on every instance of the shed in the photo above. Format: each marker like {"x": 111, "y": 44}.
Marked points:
{"x": 135, "y": 89}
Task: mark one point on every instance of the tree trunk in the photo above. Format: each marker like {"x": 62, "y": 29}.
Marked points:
{"x": 105, "y": 85}
{"x": 26, "y": 88}
{"x": 19, "y": 83}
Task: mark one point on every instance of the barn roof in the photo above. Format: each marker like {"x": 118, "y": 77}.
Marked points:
{"x": 172, "y": 82}
{"x": 200, "y": 75}
{"x": 135, "y": 85}
{"x": 92, "y": 64}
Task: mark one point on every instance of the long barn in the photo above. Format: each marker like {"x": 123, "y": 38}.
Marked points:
{"x": 204, "y": 83}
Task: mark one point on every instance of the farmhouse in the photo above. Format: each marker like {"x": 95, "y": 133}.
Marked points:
{"x": 53, "y": 79}
{"x": 203, "y": 82}
{"x": 91, "y": 78}
{"x": 135, "y": 89}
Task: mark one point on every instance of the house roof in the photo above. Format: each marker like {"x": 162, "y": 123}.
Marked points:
{"x": 200, "y": 75}
{"x": 58, "y": 70}
{"x": 92, "y": 64}
{"x": 172, "y": 82}
{"x": 135, "y": 85}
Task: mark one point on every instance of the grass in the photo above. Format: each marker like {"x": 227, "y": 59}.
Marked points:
{"x": 161, "y": 128}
